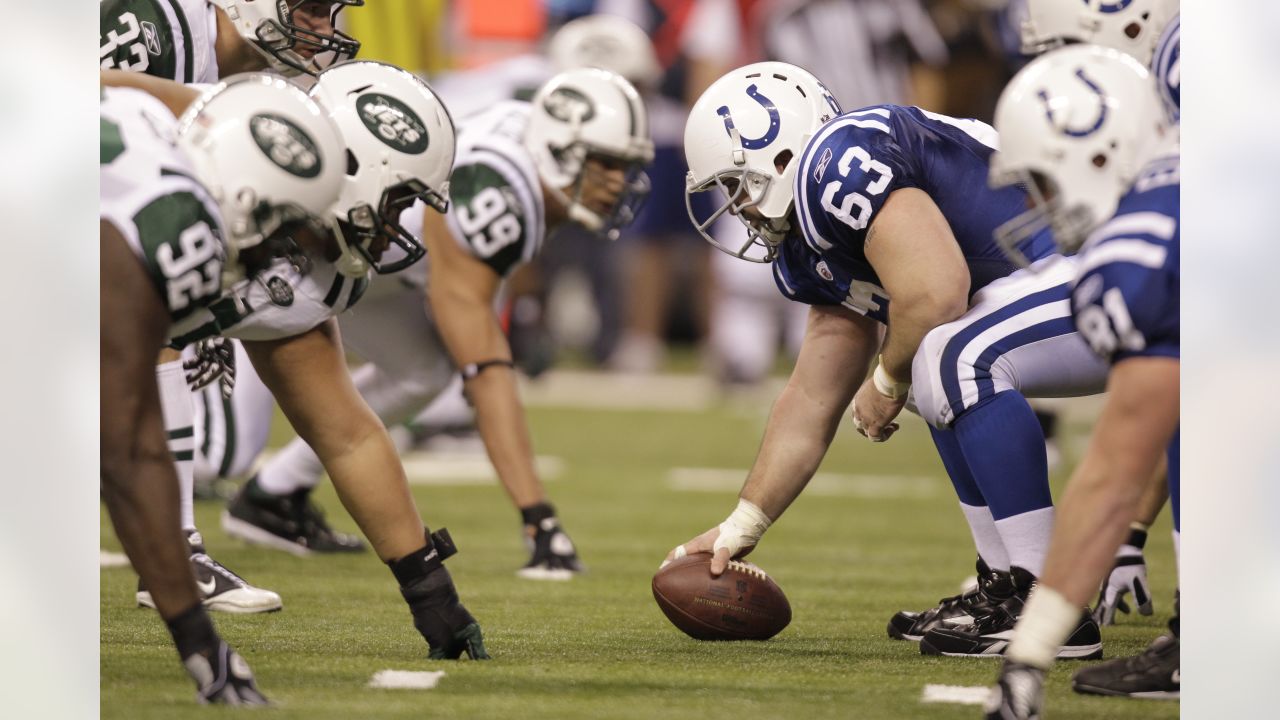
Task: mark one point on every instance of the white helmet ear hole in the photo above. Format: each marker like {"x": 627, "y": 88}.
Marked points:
{"x": 353, "y": 165}
{"x": 782, "y": 160}
{"x": 1100, "y": 160}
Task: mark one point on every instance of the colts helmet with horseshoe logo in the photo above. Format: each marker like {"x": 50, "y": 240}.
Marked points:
{"x": 744, "y": 137}
{"x": 1076, "y": 125}
{"x": 1130, "y": 26}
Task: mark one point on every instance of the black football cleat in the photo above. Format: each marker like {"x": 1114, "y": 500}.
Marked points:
{"x": 1018, "y": 693}
{"x": 993, "y": 587}
{"x": 989, "y": 635}
{"x": 220, "y": 588}
{"x": 292, "y": 522}
{"x": 1152, "y": 674}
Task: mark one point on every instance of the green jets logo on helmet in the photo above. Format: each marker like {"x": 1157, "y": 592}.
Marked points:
{"x": 286, "y": 145}
{"x": 393, "y": 122}
{"x": 568, "y": 105}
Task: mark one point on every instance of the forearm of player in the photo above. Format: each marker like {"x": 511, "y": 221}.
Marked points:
{"x": 346, "y": 435}
{"x": 473, "y": 336}
{"x": 1104, "y": 492}
{"x": 837, "y": 349}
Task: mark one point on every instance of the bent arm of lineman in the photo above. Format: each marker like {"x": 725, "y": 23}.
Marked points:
{"x": 176, "y": 96}
{"x": 837, "y": 350}
{"x": 308, "y": 376}
{"x": 1132, "y": 433}
{"x": 139, "y": 483}
{"x": 461, "y": 292}
{"x": 911, "y": 247}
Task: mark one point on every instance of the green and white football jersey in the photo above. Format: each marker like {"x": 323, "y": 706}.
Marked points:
{"x": 172, "y": 39}
{"x": 496, "y": 209}
{"x": 150, "y": 194}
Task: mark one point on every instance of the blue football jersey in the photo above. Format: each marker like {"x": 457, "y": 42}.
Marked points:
{"x": 1125, "y": 297}
{"x": 848, "y": 170}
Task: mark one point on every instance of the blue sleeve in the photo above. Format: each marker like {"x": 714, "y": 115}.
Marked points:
{"x": 845, "y": 175}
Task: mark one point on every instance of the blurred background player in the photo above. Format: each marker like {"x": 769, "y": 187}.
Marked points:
{"x": 1119, "y": 187}
{"x": 195, "y": 41}
{"x": 176, "y": 224}
{"x": 571, "y": 155}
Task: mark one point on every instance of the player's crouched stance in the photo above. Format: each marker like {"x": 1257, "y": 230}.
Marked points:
{"x": 1124, "y": 197}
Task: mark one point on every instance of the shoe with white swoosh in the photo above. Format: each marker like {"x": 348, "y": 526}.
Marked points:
{"x": 220, "y": 588}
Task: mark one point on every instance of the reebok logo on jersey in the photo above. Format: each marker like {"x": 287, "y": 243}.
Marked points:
{"x": 151, "y": 36}
{"x": 821, "y": 169}
{"x": 279, "y": 291}
{"x": 286, "y": 144}
{"x": 393, "y": 122}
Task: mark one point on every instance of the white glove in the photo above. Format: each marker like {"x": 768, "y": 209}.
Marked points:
{"x": 1129, "y": 574}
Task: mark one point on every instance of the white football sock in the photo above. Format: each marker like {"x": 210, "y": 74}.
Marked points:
{"x": 179, "y": 418}
{"x": 985, "y": 536}
{"x": 1026, "y": 538}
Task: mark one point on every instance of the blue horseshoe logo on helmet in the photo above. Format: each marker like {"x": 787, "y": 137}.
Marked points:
{"x": 1114, "y": 6}
{"x": 775, "y": 122}
{"x": 1102, "y": 108}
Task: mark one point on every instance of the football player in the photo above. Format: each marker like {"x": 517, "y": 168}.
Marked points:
{"x": 572, "y": 154}
{"x": 284, "y": 317}
{"x": 173, "y": 231}
{"x": 195, "y": 41}
{"x": 1119, "y": 187}
{"x": 890, "y": 202}
{"x": 1147, "y": 30}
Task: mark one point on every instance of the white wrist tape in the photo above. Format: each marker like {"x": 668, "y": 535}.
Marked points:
{"x": 1046, "y": 622}
{"x": 886, "y": 385}
{"x": 743, "y": 528}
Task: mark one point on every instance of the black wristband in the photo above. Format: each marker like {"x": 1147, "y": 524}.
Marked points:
{"x": 470, "y": 370}
{"x": 193, "y": 632}
{"x": 535, "y": 514}
{"x": 425, "y": 560}
{"x": 1137, "y": 538}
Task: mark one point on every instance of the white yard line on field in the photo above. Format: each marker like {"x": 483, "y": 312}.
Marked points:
{"x": 958, "y": 694}
{"x": 406, "y": 679}
{"x": 466, "y": 468}
{"x": 687, "y": 479}
{"x": 108, "y": 559}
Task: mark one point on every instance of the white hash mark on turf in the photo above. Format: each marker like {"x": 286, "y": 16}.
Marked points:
{"x": 688, "y": 479}
{"x": 406, "y": 679}
{"x": 108, "y": 559}
{"x": 959, "y": 694}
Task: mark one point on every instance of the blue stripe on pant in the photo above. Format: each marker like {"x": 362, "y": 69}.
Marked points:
{"x": 950, "y": 366}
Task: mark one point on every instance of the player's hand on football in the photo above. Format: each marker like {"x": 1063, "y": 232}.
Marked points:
{"x": 1129, "y": 574}
{"x": 707, "y": 542}
{"x": 215, "y": 359}
{"x": 873, "y": 413}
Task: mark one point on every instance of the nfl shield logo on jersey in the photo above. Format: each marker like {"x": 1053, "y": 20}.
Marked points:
{"x": 824, "y": 271}
{"x": 279, "y": 291}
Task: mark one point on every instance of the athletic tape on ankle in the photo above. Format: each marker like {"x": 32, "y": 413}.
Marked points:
{"x": 1046, "y": 623}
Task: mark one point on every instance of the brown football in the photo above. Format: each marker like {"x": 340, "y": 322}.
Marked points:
{"x": 742, "y": 604}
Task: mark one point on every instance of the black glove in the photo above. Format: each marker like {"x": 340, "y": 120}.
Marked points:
{"x": 223, "y": 677}
{"x": 215, "y": 360}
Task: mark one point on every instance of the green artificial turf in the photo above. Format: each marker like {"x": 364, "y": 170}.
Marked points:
{"x": 598, "y": 647}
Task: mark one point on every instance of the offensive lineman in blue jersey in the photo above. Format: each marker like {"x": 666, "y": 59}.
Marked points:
{"x": 887, "y": 202}
{"x": 1125, "y": 303}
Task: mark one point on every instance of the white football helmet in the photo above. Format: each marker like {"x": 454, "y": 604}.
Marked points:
{"x": 400, "y": 146}
{"x": 1130, "y": 26}
{"x": 609, "y": 42}
{"x": 272, "y": 29}
{"x": 745, "y": 136}
{"x": 1076, "y": 125}
{"x": 267, "y": 154}
{"x": 584, "y": 113}
{"x": 1166, "y": 66}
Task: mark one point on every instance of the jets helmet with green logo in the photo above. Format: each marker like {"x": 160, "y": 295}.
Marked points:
{"x": 293, "y": 45}
{"x": 400, "y": 147}
{"x": 268, "y": 155}
{"x": 584, "y": 113}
